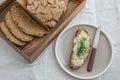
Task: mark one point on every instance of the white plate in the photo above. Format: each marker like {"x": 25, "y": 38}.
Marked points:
{"x": 103, "y": 57}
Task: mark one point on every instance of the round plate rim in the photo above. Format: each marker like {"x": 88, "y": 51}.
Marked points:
{"x": 67, "y": 71}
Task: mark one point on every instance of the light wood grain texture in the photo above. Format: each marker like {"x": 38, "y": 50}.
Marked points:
{"x": 33, "y": 49}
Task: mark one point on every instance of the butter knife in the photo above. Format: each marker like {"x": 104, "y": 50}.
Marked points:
{"x": 94, "y": 49}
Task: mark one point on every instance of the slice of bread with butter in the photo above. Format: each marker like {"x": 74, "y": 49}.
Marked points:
{"x": 81, "y": 49}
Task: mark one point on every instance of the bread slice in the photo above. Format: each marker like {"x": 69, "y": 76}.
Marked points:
{"x": 9, "y": 36}
{"x": 81, "y": 49}
{"x": 26, "y": 23}
{"x": 15, "y": 30}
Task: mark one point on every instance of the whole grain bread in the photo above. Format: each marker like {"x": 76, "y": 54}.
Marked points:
{"x": 47, "y": 11}
{"x": 15, "y": 30}
{"x": 9, "y": 35}
{"x": 26, "y": 23}
{"x": 75, "y": 60}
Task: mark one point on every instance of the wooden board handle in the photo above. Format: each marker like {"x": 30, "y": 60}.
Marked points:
{"x": 80, "y": 1}
{"x": 91, "y": 61}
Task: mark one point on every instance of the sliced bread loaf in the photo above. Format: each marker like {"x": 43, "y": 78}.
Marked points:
{"x": 47, "y": 11}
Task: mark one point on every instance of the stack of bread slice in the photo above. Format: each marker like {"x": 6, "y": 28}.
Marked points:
{"x": 19, "y": 27}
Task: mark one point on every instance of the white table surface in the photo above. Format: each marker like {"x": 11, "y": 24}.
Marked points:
{"x": 105, "y": 12}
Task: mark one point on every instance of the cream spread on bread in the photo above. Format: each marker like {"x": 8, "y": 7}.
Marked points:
{"x": 81, "y": 48}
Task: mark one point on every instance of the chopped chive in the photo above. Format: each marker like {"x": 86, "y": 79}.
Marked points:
{"x": 82, "y": 48}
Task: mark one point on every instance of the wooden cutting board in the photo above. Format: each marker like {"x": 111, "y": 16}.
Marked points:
{"x": 33, "y": 49}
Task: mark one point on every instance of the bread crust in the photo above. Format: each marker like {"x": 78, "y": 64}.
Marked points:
{"x": 71, "y": 65}
{"x": 47, "y": 11}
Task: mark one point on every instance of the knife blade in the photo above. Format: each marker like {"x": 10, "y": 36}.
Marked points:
{"x": 94, "y": 49}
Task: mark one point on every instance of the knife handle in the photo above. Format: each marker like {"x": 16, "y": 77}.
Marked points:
{"x": 91, "y": 61}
